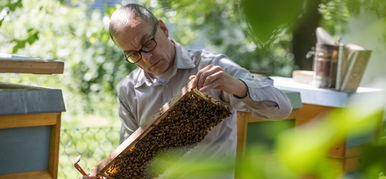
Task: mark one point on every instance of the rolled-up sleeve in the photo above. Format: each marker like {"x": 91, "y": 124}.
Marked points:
{"x": 263, "y": 100}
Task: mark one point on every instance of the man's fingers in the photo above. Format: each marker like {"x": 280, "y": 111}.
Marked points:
{"x": 199, "y": 75}
{"x": 92, "y": 175}
{"x": 206, "y": 73}
{"x": 201, "y": 79}
{"x": 191, "y": 77}
{"x": 213, "y": 77}
{"x": 193, "y": 81}
{"x": 93, "y": 172}
{"x": 213, "y": 85}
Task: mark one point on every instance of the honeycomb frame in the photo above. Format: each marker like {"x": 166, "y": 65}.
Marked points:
{"x": 181, "y": 123}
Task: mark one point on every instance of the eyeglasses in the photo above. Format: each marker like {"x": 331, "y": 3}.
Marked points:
{"x": 133, "y": 56}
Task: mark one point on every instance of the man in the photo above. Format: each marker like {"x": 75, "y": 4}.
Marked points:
{"x": 164, "y": 67}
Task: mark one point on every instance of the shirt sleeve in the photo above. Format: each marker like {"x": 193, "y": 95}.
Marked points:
{"x": 263, "y": 100}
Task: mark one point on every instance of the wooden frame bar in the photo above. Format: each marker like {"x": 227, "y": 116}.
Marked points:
{"x": 31, "y": 66}
{"x": 27, "y": 120}
{"x": 41, "y": 174}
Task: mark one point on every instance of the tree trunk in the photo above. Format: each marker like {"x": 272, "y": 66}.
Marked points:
{"x": 303, "y": 37}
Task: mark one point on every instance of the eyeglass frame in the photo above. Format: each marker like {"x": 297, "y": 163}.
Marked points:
{"x": 127, "y": 57}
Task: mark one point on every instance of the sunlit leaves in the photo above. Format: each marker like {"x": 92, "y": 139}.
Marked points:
{"x": 305, "y": 148}
{"x": 374, "y": 161}
{"x": 32, "y": 36}
{"x": 266, "y": 17}
{"x": 217, "y": 25}
{"x": 7, "y": 7}
{"x": 77, "y": 36}
{"x": 192, "y": 166}
{"x": 337, "y": 12}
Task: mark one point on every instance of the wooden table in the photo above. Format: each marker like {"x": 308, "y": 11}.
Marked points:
{"x": 314, "y": 103}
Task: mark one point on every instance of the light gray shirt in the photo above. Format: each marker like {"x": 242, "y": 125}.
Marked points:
{"x": 141, "y": 96}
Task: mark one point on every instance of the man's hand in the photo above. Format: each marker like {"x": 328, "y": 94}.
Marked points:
{"x": 214, "y": 77}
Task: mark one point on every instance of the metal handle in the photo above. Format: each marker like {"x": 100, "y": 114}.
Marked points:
{"x": 77, "y": 166}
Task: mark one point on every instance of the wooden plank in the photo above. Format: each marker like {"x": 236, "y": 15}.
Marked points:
{"x": 42, "y": 174}
{"x": 53, "y": 161}
{"x": 243, "y": 118}
{"x": 242, "y": 130}
{"x": 338, "y": 150}
{"x": 311, "y": 112}
{"x": 352, "y": 164}
{"x": 341, "y": 151}
{"x": 31, "y": 66}
{"x": 28, "y": 120}
{"x": 348, "y": 165}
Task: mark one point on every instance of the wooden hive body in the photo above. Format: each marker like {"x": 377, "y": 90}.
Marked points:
{"x": 183, "y": 122}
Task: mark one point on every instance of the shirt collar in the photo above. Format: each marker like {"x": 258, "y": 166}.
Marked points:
{"x": 182, "y": 61}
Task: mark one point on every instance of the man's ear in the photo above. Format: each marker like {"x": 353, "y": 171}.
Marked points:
{"x": 164, "y": 28}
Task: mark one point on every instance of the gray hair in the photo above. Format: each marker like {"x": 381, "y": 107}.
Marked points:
{"x": 120, "y": 17}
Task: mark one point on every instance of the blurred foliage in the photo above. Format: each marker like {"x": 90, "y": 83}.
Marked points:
{"x": 32, "y": 36}
{"x": 374, "y": 160}
{"x": 299, "y": 153}
{"x": 75, "y": 35}
{"x": 337, "y": 12}
{"x": 266, "y": 17}
{"x": 8, "y": 7}
{"x": 69, "y": 31}
{"x": 220, "y": 25}
{"x": 255, "y": 34}
{"x": 171, "y": 165}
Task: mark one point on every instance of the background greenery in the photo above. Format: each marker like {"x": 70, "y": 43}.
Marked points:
{"x": 261, "y": 39}
{"x": 265, "y": 36}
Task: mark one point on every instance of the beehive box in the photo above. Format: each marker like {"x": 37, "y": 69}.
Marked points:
{"x": 181, "y": 123}
{"x": 30, "y": 119}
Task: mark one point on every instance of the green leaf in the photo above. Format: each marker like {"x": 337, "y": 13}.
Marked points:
{"x": 266, "y": 17}
{"x": 32, "y": 36}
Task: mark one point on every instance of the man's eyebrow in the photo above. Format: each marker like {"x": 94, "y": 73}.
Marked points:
{"x": 143, "y": 38}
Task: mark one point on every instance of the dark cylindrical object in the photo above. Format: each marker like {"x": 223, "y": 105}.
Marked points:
{"x": 325, "y": 65}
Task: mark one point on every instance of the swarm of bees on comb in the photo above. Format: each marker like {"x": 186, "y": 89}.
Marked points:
{"x": 186, "y": 121}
